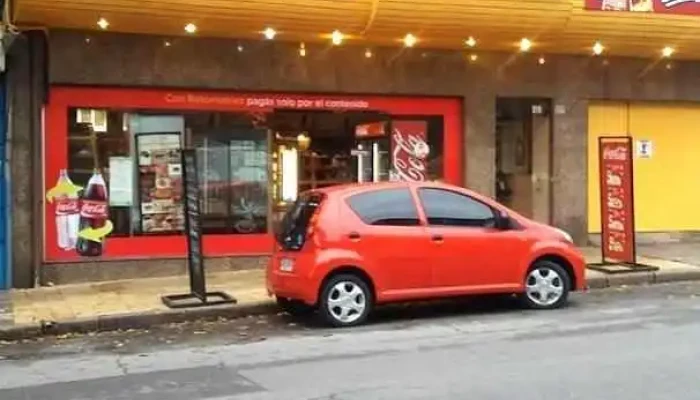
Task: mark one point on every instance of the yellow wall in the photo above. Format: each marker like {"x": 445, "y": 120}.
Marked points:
{"x": 667, "y": 185}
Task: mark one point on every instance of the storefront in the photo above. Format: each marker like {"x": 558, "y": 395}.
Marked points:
{"x": 112, "y": 174}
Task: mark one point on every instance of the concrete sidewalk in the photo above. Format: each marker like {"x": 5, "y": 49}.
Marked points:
{"x": 136, "y": 303}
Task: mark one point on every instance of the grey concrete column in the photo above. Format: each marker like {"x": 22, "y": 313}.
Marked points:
{"x": 26, "y": 79}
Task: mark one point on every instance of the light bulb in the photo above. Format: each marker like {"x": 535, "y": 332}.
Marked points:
{"x": 471, "y": 42}
{"x": 667, "y": 51}
{"x": 525, "y": 44}
{"x": 190, "y": 28}
{"x": 409, "y": 40}
{"x": 473, "y": 57}
{"x": 541, "y": 60}
{"x": 368, "y": 53}
{"x": 598, "y": 48}
{"x": 302, "y": 50}
{"x": 269, "y": 33}
{"x": 103, "y": 23}
{"x": 337, "y": 37}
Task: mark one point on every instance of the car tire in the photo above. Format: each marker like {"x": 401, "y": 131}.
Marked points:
{"x": 346, "y": 300}
{"x": 547, "y": 286}
{"x": 294, "y": 308}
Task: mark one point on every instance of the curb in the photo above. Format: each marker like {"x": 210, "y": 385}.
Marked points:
{"x": 140, "y": 320}
{"x": 147, "y": 319}
{"x": 643, "y": 278}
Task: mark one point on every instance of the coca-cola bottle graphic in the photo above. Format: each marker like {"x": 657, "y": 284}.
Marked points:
{"x": 67, "y": 213}
{"x": 93, "y": 215}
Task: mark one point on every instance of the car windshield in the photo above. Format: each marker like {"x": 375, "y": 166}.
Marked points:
{"x": 292, "y": 232}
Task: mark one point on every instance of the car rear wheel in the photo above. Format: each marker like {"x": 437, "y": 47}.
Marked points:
{"x": 547, "y": 286}
{"x": 346, "y": 300}
{"x": 295, "y": 308}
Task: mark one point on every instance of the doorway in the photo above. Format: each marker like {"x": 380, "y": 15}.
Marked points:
{"x": 524, "y": 156}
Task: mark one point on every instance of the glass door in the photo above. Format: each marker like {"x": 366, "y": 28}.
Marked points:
{"x": 371, "y": 153}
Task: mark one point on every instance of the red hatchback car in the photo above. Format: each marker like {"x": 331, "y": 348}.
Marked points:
{"x": 344, "y": 249}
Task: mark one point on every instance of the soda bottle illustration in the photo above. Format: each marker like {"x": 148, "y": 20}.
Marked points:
{"x": 67, "y": 213}
{"x": 93, "y": 215}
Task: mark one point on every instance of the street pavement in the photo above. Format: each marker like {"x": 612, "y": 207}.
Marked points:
{"x": 622, "y": 343}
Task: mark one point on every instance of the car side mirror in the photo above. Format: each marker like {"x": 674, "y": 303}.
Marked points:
{"x": 503, "y": 221}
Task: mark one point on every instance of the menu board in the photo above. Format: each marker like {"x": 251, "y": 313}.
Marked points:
{"x": 193, "y": 229}
{"x": 617, "y": 199}
{"x": 160, "y": 182}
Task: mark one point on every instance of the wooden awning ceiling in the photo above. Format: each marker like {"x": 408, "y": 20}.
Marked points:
{"x": 553, "y": 26}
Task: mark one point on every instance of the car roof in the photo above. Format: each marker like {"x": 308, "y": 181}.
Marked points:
{"x": 370, "y": 186}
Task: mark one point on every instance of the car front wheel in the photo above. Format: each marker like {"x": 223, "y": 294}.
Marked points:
{"x": 346, "y": 300}
{"x": 547, "y": 286}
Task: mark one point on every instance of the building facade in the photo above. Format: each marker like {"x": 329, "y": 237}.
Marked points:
{"x": 522, "y": 127}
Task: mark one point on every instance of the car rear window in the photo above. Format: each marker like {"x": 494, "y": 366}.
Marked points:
{"x": 394, "y": 207}
{"x": 295, "y": 223}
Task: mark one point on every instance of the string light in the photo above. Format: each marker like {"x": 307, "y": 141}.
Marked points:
{"x": 302, "y": 49}
{"x": 368, "y": 53}
{"x": 409, "y": 40}
{"x": 103, "y": 23}
{"x": 269, "y": 33}
{"x": 337, "y": 37}
{"x": 667, "y": 52}
{"x": 471, "y": 42}
{"x": 191, "y": 28}
{"x": 525, "y": 44}
{"x": 598, "y": 48}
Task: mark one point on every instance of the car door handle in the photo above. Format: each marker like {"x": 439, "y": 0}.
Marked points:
{"x": 354, "y": 236}
{"x": 436, "y": 238}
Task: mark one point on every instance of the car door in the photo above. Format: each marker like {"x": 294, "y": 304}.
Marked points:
{"x": 392, "y": 240}
{"x": 472, "y": 254}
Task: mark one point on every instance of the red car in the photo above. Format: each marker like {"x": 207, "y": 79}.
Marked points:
{"x": 344, "y": 249}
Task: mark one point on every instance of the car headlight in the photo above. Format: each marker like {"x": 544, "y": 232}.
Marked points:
{"x": 565, "y": 235}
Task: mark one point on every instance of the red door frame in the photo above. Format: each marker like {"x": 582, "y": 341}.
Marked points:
{"x": 55, "y": 147}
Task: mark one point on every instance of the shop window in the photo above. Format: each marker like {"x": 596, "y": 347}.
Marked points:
{"x": 137, "y": 154}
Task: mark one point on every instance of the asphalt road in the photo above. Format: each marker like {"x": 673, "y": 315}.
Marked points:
{"x": 630, "y": 343}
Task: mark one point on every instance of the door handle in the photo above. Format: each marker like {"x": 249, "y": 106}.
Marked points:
{"x": 436, "y": 238}
{"x": 354, "y": 236}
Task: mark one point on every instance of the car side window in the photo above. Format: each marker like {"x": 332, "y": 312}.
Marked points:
{"x": 393, "y": 207}
{"x": 447, "y": 208}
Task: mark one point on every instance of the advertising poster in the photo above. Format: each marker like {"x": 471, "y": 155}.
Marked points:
{"x": 409, "y": 150}
{"x": 617, "y": 199}
{"x": 682, "y": 7}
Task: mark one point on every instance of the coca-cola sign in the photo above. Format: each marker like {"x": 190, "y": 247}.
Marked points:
{"x": 409, "y": 150}
{"x": 67, "y": 206}
{"x": 617, "y": 200}
{"x": 687, "y": 7}
{"x": 93, "y": 209}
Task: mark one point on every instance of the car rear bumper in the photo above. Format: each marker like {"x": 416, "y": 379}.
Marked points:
{"x": 291, "y": 285}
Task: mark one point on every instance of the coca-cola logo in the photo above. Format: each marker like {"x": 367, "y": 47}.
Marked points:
{"x": 409, "y": 155}
{"x": 618, "y": 153}
{"x": 67, "y": 206}
{"x": 93, "y": 209}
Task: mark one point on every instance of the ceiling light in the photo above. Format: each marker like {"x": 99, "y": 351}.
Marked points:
{"x": 471, "y": 42}
{"x": 240, "y": 48}
{"x": 598, "y": 48}
{"x": 103, "y": 23}
{"x": 541, "y": 60}
{"x": 269, "y": 33}
{"x": 336, "y": 37}
{"x": 302, "y": 49}
{"x": 473, "y": 57}
{"x": 167, "y": 43}
{"x": 368, "y": 53}
{"x": 667, "y": 51}
{"x": 191, "y": 28}
{"x": 409, "y": 40}
{"x": 525, "y": 44}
